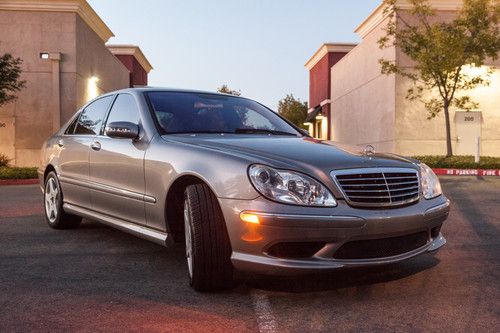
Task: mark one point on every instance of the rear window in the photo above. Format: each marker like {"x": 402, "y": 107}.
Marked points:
{"x": 181, "y": 112}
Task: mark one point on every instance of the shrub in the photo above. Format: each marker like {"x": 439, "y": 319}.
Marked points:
{"x": 4, "y": 160}
{"x": 18, "y": 173}
{"x": 460, "y": 162}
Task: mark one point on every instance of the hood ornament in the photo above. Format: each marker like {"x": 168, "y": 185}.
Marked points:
{"x": 369, "y": 150}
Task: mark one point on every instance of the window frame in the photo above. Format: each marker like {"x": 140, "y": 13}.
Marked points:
{"x": 108, "y": 112}
{"x": 113, "y": 97}
{"x": 73, "y": 120}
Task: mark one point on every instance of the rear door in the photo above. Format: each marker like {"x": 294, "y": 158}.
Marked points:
{"x": 74, "y": 153}
{"x": 117, "y": 167}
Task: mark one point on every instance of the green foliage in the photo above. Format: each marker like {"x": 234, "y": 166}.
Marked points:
{"x": 4, "y": 160}
{"x": 10, "y": 82}
{"x": 18, "y": 173}
{"x": 460, "y": 162}
{"x": 224, "y": 89}
{"x": 441, "y": 51}
{"x": 293, "y": 109}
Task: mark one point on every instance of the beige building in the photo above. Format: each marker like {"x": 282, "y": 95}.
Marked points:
{"x": 65, "y": 63}
{"x": 366, "y": 107}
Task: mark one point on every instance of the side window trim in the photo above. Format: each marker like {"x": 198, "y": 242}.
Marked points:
{"x": 106, "y": 115}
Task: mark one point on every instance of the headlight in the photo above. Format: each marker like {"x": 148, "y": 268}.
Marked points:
{"x": 290, "y": 187}
{"x": 431, "y": 187}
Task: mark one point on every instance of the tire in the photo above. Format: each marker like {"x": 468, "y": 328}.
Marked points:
{"x": 208, "y": 250}
{"x": 55, "y": 215}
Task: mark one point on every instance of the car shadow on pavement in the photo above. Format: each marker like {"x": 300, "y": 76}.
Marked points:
{"x": 344, "y": 277}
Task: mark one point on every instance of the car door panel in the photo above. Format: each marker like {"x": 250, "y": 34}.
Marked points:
{"x": 74, "y": 169}
{"x": 117, "y": 178}
{"x": 117, "y": 168}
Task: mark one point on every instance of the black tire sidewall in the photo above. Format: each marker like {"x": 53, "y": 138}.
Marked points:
{"x": 206, "y": 277}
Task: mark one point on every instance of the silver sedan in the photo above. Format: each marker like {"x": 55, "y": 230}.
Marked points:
{"x": 241, "y": 186}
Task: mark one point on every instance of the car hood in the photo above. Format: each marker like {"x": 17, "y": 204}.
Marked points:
{"x": 294, "y": 152}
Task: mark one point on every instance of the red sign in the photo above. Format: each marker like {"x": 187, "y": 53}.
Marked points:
{"x": 466, "y": 172}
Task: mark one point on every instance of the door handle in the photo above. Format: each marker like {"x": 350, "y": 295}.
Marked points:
{"x": 96, "y": 145}
{"x": 60, "y": 142}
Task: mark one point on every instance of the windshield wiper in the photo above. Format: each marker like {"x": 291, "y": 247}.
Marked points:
{"x": 261, "y": 131}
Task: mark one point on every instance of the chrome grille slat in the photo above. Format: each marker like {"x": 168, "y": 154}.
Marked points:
{"x": 382, "y": 187}
{"x": 399, "y": 183}
{"x": 385, "y": 190}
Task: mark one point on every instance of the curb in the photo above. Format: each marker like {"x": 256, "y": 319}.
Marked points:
{"x": 467, "y": 172}
{"x": 18, "y": 181}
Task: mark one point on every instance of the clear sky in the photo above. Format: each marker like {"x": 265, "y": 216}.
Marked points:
{"x": 257, "y": 46}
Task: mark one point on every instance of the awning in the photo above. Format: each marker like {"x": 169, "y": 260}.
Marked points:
{"x": 310, "y": 117}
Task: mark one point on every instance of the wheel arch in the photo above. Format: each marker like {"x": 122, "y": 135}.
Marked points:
{"x": 48, "y": 169}
{"x": 174, "y": 204}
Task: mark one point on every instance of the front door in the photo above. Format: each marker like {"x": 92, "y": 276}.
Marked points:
{"x": 117, "y": 168}
{"x": 468, "y": 125}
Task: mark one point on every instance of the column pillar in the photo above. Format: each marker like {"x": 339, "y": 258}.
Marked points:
{"x": 56, "y": 90}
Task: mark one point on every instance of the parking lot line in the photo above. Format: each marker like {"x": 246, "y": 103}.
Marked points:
{"x": 265, "y": 318}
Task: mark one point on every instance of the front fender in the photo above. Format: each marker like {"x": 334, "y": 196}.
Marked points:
{"x": 225, "y": 174}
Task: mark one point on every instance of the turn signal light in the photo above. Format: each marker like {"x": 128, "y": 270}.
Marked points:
{"x": 249, "y": 218}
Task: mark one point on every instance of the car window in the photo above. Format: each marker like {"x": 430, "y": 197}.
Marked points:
{"x": 251, "y": 119}
{"x": 181, "y": 112}
{"x": 92, "y": 116}
{"x": 124, "y": 109}
{"x": 71, "y": 128}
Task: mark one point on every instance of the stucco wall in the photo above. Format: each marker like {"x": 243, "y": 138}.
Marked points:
{"x": 138, "y": 76}
{"x": 320, "y": 86}
{"x": 29, "y": 119}
{"x": 416, "y": 135}
{"x": 363, "y": 100}
{"x": 27, "y": 122}
{"x": 94, "y": 59}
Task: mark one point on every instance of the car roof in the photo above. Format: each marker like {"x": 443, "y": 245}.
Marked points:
{"x": 150, "y": 88}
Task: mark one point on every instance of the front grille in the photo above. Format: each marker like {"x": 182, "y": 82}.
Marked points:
{"x": 380, "y": 187}
{"x": 380, "y": 248}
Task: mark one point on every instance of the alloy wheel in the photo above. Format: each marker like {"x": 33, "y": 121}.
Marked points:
{"x": 51, "y": 199}
{"x": 189, "y": 240}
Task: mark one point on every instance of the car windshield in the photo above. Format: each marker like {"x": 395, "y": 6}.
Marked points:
{"x": 181, "y": 112}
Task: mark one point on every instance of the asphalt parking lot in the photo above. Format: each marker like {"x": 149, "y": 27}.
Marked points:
{"x": 99, "y": 279}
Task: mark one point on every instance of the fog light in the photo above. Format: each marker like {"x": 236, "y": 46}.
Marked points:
{"x": 249, "y": 218}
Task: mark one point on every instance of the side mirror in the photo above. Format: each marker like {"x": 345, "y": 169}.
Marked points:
{"x": 122, "y": 130}
{"x": 305, "y": 132}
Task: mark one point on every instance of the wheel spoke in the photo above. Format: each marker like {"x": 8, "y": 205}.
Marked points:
{"x": 51, "y": 185}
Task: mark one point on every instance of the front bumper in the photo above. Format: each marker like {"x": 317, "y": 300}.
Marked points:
{"x": 332, "y": 226}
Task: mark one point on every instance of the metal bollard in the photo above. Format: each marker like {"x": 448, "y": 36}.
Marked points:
{"x": 478, "y": 148}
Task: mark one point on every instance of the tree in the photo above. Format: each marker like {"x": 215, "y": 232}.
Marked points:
{"x": 293, "y": 109}
{"x": 10, "y": 83}
{"x": 226, "y": 90}
{"x": 441, "y": 51}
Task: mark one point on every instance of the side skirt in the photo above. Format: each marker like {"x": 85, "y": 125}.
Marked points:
{"x": 143, "y": 232}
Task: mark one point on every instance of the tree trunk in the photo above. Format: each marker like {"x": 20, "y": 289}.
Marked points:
{"x": 449, "y": 150}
